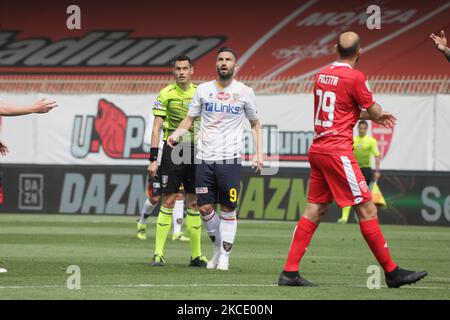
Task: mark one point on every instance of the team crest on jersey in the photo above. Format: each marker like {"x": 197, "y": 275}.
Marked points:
{"x": 164, "y": 180}
{"x": 210, "y": 96}
{"x": 222, "y": 96}
{"x": 235, "y": 97}
{"x": 363, "y": 186}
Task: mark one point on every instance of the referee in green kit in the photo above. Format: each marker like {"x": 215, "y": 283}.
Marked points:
{"x": 363, "y": 148}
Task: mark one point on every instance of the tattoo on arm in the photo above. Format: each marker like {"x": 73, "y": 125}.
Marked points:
{"x": 447, "y": 53}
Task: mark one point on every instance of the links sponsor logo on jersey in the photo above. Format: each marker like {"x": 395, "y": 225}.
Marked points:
{"x": 224, "y": 108}
{"x": 114, "y": 133}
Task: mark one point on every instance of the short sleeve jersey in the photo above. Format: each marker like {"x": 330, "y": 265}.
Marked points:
{"x": 172, "y": 104}
{"x": 222, "y": 112}
{"x": 364, "y": 148}
{"x": 340, "y": 93}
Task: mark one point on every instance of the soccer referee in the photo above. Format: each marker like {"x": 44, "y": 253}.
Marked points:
{"x": 363, "y": 148}
{"x": 171, "y": 106}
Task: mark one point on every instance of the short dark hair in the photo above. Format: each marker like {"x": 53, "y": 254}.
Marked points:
{"x": 181, "y": 58}
{"x": 227, "y": 49}
{"x": 363, "y": 122}
{"x": 347, "y": 52}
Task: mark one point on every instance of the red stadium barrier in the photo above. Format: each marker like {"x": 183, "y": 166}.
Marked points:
{"x": 274, "y": 39}
{"x": 137, "y": 84}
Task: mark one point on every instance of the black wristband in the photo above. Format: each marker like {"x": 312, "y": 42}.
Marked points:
{"x": 153, "y": 154}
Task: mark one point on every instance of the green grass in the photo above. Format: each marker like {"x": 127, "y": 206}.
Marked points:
{"x": 37, "y": 249}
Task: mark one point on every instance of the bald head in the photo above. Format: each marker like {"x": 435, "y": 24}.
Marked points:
{"x": 348, "y": 44}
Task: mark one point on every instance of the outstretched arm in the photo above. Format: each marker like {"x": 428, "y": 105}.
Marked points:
{"x": 41, "y": 106}
{"x": 183, "y": 127}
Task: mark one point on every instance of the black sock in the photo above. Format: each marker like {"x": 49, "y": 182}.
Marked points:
{"x": 291, "y": 274}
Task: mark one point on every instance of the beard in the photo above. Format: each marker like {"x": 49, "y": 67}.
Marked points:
{"x": 226, "y": 76}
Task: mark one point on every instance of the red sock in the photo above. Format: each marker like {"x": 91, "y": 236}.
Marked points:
{"x": 302, "y": 236}
{"x": 371, "y": 231}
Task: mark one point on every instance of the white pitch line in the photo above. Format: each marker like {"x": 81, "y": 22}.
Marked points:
{"x": 149, "y": 285}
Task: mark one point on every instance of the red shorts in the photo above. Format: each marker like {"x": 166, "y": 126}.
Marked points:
{"x": 336, "y": 177}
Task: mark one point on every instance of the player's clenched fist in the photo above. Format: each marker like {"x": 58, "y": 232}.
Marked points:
{"x": 173, "y": 139}
{"x": 43, "y": 106}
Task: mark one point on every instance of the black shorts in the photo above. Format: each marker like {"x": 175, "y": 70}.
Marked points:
{"x": 218, "y": 182}
{"x": 174, "y": 175}
{"x": 367, "y": 173}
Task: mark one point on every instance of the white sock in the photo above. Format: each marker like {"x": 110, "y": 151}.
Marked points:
{"x": 228, "y": 227}
{"x": 177, "y": 215}
{"x": 146, "y": 211}
{"x": 212, "y": 225}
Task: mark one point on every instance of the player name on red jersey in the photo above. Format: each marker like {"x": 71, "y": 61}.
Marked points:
{"x": 327, "y": 79}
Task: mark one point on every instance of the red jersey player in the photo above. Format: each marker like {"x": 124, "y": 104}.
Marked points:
{"x": 341, "y": 98}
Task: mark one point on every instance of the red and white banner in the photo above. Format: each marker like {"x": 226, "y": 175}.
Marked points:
{"x": 110, "y": 130}
{"x": 273, "y": 38}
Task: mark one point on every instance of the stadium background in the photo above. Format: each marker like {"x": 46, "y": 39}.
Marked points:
{"x": 64, "y": 162}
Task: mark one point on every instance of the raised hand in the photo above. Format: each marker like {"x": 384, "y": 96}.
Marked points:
{"x": 439, "y": 42}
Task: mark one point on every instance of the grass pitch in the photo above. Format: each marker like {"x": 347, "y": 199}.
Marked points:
{"x": 38, "y": 249}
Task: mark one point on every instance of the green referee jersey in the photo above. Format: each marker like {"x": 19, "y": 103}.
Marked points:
{"x": 363, "y": 148}
{"x": 172, "y": 104}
